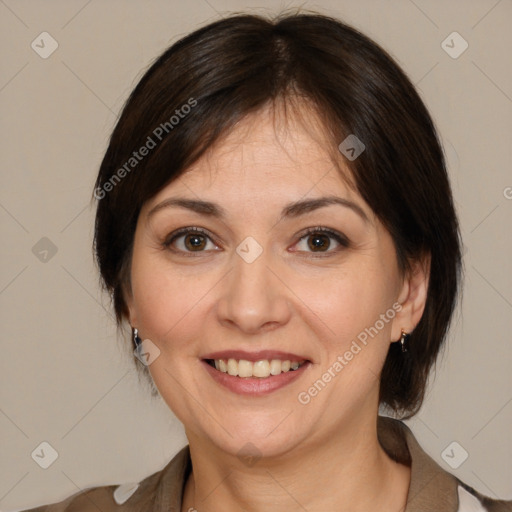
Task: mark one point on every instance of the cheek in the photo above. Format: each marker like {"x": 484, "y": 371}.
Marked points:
{"x": 348, "y": 301}
{"x": 165, "y": 304}
{"x": 356, "y": 314}
{"x": 357, "y": 308}
{"x": 162, "y": 298}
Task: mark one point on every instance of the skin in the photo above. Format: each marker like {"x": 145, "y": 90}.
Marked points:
{"x": 294, "y": 298}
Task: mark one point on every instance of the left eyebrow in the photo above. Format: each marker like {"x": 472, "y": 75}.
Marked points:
{"x": 307, "y": 205}
{"x": 294, "y": 209}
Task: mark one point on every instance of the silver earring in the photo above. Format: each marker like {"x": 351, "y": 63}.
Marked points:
{"x": 404, "y": 340}
{"x": 136, "y": 340}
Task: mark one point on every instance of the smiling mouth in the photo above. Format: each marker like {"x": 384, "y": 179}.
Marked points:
{"x": 258, "y": 369}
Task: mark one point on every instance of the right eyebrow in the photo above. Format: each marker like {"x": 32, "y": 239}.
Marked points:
{"x": 196, "y": 205}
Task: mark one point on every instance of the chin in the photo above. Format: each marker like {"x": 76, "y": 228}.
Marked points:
{"x": 251, "y": 448}
{"x": 264, "y": 436}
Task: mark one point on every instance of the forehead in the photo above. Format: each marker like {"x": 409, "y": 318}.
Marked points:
{"x": 268, "y": 157}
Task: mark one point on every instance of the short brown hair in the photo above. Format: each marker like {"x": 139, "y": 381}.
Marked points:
{"x": 234, "y": 67}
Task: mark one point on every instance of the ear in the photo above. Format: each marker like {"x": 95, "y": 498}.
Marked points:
{"x": 412, "y": 297}
{"x": 132, "y": 317}
{"x": 130, "y": 307}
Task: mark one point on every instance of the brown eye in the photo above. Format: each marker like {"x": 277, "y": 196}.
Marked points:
{"x": 194, "y": 242}
{"x": 319, "y": 240}
{"x": 189, "y": 240}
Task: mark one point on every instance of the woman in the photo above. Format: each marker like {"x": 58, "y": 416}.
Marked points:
{"x": 276, "y": 224}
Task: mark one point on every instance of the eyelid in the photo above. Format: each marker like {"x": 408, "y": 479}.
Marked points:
{"x": 185, "y": 231}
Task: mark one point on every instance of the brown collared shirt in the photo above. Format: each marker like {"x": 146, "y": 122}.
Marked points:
{"x": 432, "y": 489}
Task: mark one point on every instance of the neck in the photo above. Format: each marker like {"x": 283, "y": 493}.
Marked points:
{"x": 349, "y": 472}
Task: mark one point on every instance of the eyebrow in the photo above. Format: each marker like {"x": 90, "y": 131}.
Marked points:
{"x": 294, "y": 209}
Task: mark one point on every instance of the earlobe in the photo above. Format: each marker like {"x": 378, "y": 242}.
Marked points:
{"x": 412, "y": 297}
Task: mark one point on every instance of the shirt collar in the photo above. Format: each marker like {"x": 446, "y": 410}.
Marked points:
{"x": 431, "y": 488}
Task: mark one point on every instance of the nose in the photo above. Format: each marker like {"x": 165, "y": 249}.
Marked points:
{"x": 254, "y": 298}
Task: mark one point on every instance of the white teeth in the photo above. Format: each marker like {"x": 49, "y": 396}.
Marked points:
{"x": 275, "y": 367}
{"x": 232, "y": 367}
{"x": 244, "y": 368}
{"x": 261, "y": 369}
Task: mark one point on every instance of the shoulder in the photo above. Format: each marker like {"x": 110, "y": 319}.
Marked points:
{"x": 472, "y": 501}
{"x": 157, "y": 492}
{"x": 95, "y": 498}
{"x": 431, "y": 487}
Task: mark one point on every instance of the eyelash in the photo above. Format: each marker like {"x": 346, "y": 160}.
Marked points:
{"x": 341, "y": 239}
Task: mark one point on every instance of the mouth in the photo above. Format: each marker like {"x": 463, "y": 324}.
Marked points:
{"x": 260, "y": 369}
{"x": 257, "y": 377}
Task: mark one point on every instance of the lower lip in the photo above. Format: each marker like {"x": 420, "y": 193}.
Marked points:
{"x": 255, "y": 386}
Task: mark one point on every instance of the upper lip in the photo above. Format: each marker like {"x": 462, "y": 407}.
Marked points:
{"x": 255, "y": 356}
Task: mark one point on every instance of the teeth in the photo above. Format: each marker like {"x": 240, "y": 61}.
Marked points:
{"x": 232, "y": 367}
{"x": 275, "y": 367}
{"x": 244, "y": 368}
{"x": 261, "y": 369}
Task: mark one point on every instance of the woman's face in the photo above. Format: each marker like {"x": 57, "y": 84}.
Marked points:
{"x": 255, "y": 286}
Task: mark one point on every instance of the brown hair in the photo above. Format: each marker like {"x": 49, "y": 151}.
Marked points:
{"x": 197, "y": 90}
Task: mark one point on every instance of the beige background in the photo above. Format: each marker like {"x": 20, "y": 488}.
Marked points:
{"x": 64, "y": 378}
